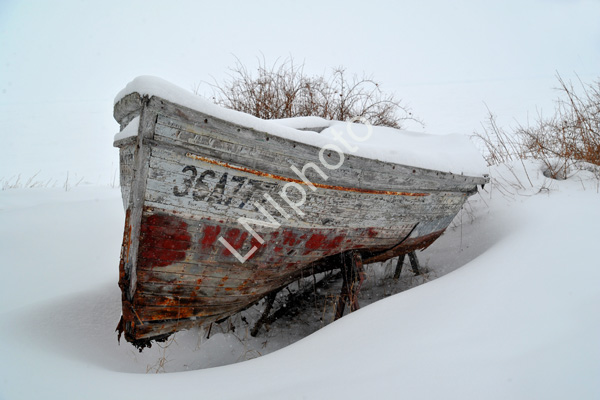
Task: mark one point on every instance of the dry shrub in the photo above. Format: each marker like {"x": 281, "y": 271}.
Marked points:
{"x": 284, "y": 90}
{"x": 500, "y": 146}
{"x": 571, "y": 136}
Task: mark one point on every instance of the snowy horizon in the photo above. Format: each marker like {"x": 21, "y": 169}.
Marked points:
{"x": 449, "y": 62}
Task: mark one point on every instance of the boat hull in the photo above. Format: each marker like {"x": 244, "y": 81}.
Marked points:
{"x": 216, "y": 219}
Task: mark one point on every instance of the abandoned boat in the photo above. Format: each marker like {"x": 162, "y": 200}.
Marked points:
{"x": 223, "y": 209}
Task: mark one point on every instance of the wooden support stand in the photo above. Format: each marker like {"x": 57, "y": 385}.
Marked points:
{"x": 414, "y": 263}
{"x": 270, "y": 299}
{"x": 353, "y": 276}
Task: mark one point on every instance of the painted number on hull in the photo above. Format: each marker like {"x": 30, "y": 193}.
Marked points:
{"x": 200, "y": 190}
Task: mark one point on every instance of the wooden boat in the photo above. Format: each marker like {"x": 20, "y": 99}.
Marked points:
{"x": 192, "y": 180}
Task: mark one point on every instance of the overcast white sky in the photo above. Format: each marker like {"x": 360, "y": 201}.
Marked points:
{"x": 62, "y": 62}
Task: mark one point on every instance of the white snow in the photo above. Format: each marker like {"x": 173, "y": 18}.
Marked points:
{"x": 130, "y": 130}
{"x": 519, "y": 319}
{"x": 448, "y": 153}
{"x": 304, "y": 122}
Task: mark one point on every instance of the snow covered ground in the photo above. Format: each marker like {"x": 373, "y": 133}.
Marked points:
{"x": 514, "y": 312}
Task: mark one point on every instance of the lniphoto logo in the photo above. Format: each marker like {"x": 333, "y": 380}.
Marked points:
{"x": 298, "y": 185}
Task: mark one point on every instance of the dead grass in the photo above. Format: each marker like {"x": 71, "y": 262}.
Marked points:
{"x": 16, "y": 182}
{"x": 161, "y": 363}
{"x": 570, "y": 137}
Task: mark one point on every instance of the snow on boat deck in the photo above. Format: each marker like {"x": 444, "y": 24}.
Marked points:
{"x": 447, "y": 153}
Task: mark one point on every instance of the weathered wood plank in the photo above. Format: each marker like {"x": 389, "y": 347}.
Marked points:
{"x": 129, "y": 250}
{"x": 347, "y": 175}
{"x": 168, "y": 167}
{"x": 271, "y": 144}
{"x": 315, "y": 211}
{"x": 128, "y": 108}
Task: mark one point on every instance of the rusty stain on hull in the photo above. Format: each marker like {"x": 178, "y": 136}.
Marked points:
{"x": 125, "y": 249}
{"x": 299, "y": 181}
{"x": 178, "y": 282}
